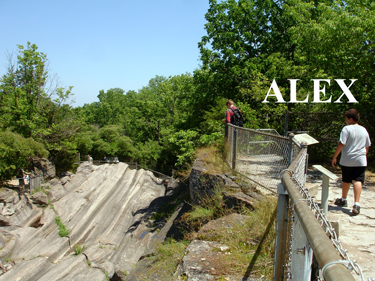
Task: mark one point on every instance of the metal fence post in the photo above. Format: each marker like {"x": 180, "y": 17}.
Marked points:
{"x": 234, "y": 148}
{"x": 281, "y": 232}
{"x": 286, "y": 124}
{"x": 290, "y": 149}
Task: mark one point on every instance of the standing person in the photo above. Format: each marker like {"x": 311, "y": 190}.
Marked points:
{"x": 354, "y": 145}
{"x": 233, "y": 114}
{"x": 21, "y": 177}
{"x": 89, "y": 158}
{"x": 26, "y": 176}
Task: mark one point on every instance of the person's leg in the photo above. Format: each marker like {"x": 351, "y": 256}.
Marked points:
{"x": 357, "y": 188}
{"x": 345, "y": 189}
{"x": 346, "y": 181}
{"x": 358, "y": 180}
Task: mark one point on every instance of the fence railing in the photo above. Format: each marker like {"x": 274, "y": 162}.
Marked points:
{"x": 259, "y": 155}
{"x": 35, "y": 182}
{"x": 304, "y": 234}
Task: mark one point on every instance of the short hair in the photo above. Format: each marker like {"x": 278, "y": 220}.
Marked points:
{"x": 230, "y": 102}
{"x": 352, "y": 113}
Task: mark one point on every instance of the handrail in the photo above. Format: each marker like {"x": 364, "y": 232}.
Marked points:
{"x": 324, "y": 251}
{"x": 258, "y": 132}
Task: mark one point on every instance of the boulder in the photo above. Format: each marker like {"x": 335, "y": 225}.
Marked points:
{"x": 39, "y": 198}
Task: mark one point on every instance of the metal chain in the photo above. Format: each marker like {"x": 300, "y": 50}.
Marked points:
{"x": 288, "y": 259}
{"x": 298, "y": 176}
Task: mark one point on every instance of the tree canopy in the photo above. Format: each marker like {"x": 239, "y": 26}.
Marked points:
{"x": 249, "y": 46}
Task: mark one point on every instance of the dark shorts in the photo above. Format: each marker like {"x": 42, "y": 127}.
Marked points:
{"x": 350, "y": 174}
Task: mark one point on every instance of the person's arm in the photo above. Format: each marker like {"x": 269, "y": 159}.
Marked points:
{"x": 337, "y": 152}
{"x": 227, "y": 116}
{"x": 367, "y": 148}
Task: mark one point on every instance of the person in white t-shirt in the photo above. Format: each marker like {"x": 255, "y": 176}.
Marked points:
{"x": 354, "y": 145}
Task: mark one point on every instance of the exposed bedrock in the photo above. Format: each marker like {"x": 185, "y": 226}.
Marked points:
{"x": 107, "y": 210}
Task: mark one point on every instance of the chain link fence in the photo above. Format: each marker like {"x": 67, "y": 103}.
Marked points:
{"x": 264, "y": 156}
{"x": 35, "y": 182}
{"x": 260, "y": 155}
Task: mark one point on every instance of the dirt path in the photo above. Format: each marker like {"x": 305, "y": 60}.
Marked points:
{"x": 356, "y": 233}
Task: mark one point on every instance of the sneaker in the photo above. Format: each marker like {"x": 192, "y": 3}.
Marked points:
{"x": 341, "y": 203}
{"x": 356, "y": 209}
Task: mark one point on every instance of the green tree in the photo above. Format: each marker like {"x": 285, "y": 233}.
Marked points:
{"x": 239, "y": 35}
{"x": 24, "y": 83}
{"x": 31, "y": 110}
{"x": 337, "y": 37}
{"x": 14, "y": 152}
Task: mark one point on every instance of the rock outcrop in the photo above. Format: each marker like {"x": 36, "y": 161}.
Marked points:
{"x": 106, "y": 210}
{"x": 203, "y": 183}
{"x": 203, "y": 258}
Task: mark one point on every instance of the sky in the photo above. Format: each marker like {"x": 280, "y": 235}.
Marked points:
{"x": 98, "y": 45}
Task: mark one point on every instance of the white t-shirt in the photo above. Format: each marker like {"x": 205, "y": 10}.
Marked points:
{"x": 355, "y": 139}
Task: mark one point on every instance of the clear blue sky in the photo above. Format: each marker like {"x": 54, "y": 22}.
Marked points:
{"x": 98, "y": 45}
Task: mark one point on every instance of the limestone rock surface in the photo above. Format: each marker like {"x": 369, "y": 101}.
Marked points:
{"x": 106, "y": 210}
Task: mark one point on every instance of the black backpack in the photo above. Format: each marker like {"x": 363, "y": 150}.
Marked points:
{"x": 236, "y": 118}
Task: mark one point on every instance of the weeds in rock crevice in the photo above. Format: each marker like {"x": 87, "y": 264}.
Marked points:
{"x": 63, "y": 231}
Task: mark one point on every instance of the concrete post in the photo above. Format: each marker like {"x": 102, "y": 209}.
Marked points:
{"x": 325, "y": 193}
{"x": 327, "y": 175}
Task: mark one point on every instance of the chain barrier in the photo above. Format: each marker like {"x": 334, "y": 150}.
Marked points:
{"x": 298, "y": 176}
{"x": 262, "y": 155}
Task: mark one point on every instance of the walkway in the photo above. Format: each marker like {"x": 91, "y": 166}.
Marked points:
{"x": 356, "y": 233}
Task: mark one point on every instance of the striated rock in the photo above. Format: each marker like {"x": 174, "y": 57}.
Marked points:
{"x": 16, "y": 209}
{"x": 139, "y": 272}
{"x": 64, "y": 180}
{"x": 106, "y": 210}
{"x": 106, "y": 267}
{"x": 56, "y": 192}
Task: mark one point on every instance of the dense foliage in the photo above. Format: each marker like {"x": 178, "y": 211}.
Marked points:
{"x": 249, "y": 44}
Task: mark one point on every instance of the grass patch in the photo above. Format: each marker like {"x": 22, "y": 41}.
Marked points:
{"x": 211, "y": 208}
{"x": 164, "y": 262}
{"x": 63, "y": 231}
{"x": 213, "y": 159}
{"x": 78, "y": 249}
{"x": 42, "y": 189}
{"x": 251, "y": 245}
